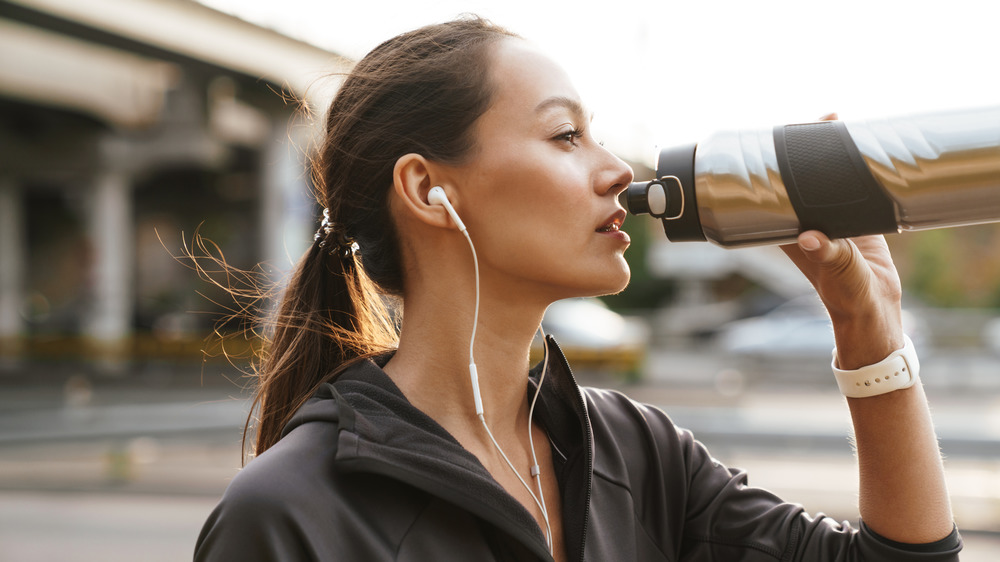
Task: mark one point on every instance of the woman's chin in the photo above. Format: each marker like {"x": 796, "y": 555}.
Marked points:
{"x": 625, "y": 275}
{"x": 611, "y": 284}
{"x": 618, "y": 288}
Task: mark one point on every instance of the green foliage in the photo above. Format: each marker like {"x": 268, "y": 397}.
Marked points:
{"x": 951, "y": 267}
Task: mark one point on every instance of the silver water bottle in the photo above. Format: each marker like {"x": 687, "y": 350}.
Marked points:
{"x": 742, "y": 188}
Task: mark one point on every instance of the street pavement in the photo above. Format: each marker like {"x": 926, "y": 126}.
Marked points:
{"x": 127, "y": 468}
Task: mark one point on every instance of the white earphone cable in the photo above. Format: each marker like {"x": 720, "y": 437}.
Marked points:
{"x": 473, "y": 373}
{"x": 475, "y": 317}
{"x": 535, "y": 471}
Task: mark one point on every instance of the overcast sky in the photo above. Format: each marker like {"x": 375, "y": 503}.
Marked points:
{"x": 670, "y": 72}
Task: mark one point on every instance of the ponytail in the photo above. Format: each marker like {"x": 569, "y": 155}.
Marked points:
{"x": 331, "y": 315}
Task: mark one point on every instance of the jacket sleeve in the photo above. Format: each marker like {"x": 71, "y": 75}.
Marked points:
{"x": 726, "y": 515}
{"x": 708, "y": 511}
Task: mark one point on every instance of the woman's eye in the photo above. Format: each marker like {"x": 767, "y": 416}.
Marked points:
{"x": 570, "y": 136}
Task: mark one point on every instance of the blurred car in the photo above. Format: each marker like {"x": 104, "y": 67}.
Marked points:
{"x": 592, "y": 336}
{"x": 991, "y": 335}
{"x": 798, "y": 329}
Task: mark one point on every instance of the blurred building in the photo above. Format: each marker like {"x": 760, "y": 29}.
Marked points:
{"x": 126, "y": 125}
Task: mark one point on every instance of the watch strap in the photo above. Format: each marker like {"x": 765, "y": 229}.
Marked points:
{"x": 901, "y": 369}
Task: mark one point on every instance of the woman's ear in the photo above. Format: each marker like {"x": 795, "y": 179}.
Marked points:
{"x": 412, "y": 178}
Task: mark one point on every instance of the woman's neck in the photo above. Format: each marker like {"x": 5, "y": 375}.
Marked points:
{"x": 431, "y": 366}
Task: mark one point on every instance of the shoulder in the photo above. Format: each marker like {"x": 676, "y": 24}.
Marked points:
{"x": 299, "y": 500}
{"x": 271, "y": 504}
{"x": 637, "y": 446}
{"x": 301, "y": 459}
{"x": 290, "y": 468}
{"x": 621, "y": 419}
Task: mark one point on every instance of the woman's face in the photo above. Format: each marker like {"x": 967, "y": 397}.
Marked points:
{"x": 539, "y": 192}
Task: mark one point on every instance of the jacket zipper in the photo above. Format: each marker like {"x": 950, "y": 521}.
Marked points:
{"x": 590, "y": 484}
{"x": 589, "y": 457}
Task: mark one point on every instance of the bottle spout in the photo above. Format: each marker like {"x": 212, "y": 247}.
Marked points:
{"x": 662, "y": 198}
{"x": 671, "y": 196}
{"x": 635, "y": 198}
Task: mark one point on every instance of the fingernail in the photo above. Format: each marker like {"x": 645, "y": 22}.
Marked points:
{"x": 809, "y": 243}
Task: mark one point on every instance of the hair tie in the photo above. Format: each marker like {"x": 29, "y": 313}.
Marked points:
{"x": 343, "y": 245}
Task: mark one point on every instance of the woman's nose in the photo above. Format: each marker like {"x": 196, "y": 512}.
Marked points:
{"x": 618, "y": 176}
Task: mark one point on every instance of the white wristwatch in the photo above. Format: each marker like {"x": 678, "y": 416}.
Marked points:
{"x": 901, "y": 369}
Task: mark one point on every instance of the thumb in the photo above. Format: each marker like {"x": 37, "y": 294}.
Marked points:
{"x": 819, "y": 249}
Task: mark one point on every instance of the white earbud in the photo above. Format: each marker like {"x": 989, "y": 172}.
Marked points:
{"x": 437, "y": 196}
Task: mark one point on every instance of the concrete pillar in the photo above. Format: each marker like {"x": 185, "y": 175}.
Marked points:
{"x": 109, "y": 323}
{"x": 287, "y": 212}
{"x": 12, "y": 270}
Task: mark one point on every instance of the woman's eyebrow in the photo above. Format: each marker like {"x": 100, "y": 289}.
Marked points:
{"x": 562, "y": 101}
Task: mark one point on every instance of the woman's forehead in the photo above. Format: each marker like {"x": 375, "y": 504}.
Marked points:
{"x": 529, "y": 82}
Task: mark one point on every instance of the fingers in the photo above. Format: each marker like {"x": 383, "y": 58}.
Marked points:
{"x": 810, "y": 242}
{"x": 819, "y": 249}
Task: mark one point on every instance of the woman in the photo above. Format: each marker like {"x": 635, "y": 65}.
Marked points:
{"x": 458, "y": 162}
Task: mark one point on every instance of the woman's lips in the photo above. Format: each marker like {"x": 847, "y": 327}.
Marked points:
{"x": 614, "y": 222}
{"x": 612, "y": 227}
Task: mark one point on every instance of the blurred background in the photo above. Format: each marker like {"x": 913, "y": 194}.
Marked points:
{"x": 129, "y": 126}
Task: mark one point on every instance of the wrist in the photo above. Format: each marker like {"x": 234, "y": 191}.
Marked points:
{"x": 866, "y": 339}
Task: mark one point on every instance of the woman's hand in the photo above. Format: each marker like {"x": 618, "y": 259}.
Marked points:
{"x": 859, "y": 285}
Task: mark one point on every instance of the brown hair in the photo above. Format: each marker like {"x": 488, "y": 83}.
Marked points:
{"x": 419, "y": 92}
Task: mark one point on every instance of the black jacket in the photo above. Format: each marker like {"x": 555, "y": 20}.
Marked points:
{"x": 360, "y": 474}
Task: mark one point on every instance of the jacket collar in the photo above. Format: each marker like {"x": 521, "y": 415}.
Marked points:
{"x": 381, "y": 432}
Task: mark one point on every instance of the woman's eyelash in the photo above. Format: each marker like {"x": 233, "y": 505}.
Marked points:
{"x": 570, "y": 136}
